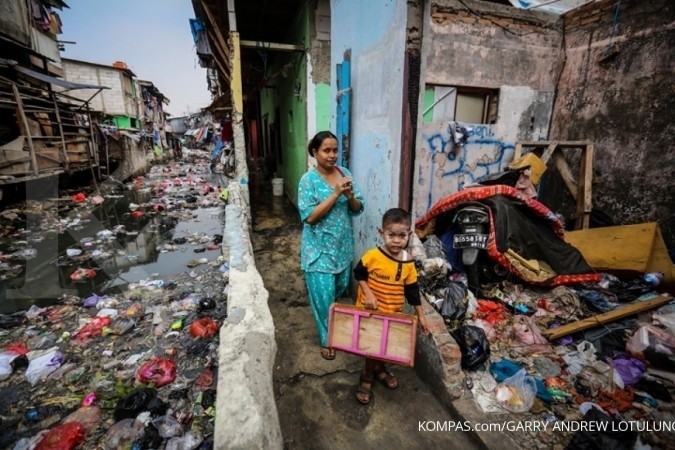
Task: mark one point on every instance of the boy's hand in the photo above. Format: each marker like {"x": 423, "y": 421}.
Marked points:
{"x": 422, "y": 320}
{"x": 370, "y": 301}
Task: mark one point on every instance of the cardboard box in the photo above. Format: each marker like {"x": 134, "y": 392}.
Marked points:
{"x": 390, "y": 337}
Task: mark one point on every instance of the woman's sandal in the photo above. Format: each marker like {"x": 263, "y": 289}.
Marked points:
{"x": 327, "y": 353}
{"x": 363, "y": 394}
{"x": 387, "y": 378}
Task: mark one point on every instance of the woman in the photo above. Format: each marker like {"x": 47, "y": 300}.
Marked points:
{"x": 327, "y": 200}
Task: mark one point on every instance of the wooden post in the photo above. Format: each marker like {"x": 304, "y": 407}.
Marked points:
{"x": 585, "y": 187}
{"x": 64, "y": 153}
{"x": 518, "y": 152}
{"x": 24, "y": 124}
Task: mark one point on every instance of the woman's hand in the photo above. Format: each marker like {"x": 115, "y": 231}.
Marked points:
{"x": 344, "y": 187}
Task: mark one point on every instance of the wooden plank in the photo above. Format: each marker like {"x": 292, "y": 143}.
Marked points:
{"x": 24, "y": 126}
{"x": 612, "y": 316}
{"x": 63, "y": 139}
{"x": 584, "y": 189}
{"x": 549, "y": 152}
{"x": 628, "y": 250}
{"x": 565, "y": 173}
{"x": 561, "y": 144}
{"x": 518, "y": 152}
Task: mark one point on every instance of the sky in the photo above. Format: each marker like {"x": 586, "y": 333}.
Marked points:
{"x": 151, "y": 36}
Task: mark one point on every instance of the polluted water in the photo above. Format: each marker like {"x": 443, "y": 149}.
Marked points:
{"x": 111, "y": 305}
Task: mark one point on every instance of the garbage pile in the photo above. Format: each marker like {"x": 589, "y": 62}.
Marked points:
{"x": 618, "y": 372}
{"x": 134, "y": 366}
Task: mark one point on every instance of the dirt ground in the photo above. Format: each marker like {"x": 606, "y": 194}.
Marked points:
{"x": 316, "y": 398}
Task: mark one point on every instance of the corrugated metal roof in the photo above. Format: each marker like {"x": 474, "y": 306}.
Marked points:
{"x": 555, "y": 7}
{"x": 68, "y": 85}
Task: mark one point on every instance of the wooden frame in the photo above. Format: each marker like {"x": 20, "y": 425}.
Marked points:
{"x": 389, "y": 337}
{"x": 582, "y": 189}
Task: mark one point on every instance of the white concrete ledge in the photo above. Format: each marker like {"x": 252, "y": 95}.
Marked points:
{"x": 246, "y": 413}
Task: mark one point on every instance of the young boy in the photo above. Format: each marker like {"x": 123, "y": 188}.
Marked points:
{"x": 387, "y": 278}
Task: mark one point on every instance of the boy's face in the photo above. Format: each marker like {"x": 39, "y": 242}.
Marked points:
{"x": 395, "y": 236}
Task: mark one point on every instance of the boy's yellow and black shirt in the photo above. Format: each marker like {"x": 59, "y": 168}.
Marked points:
{"x": 392, "y": 281}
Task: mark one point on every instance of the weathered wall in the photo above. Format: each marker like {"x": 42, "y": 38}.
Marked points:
{"x": 14, "y": 21}
{"x": 489, "y": 46}
{"x": 623, "y": 105}
{"x": 318, "y": 68}
{"x": 110, "y": 101}
{"x": 375, "y": 33}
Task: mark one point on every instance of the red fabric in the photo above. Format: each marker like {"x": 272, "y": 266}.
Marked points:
{"x": 479, "y": 193}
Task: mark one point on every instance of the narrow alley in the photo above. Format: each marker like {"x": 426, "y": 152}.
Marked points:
{"x": 316, "y": 398}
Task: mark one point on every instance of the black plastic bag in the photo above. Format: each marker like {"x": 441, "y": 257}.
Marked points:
{"x": 608, "y": 439}
{"x": 455, "y": 301}
{"x": 144, "y": 399}
{"x": 473, "y": 344}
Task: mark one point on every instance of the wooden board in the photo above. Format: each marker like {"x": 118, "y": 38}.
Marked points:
{"x": 612, "y": 316}
{"x": 389, "y": 337}
{"x": 625, "y": 250}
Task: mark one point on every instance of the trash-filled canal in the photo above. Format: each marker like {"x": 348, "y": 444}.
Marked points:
{"x": 111, "y": 304}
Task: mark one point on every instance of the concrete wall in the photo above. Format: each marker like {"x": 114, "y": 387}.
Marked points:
{"x": 113, "y": 101}
{"x": 623, "y": 104}
{"x": 375, "y": 33}
{"x": 492, "y": 47}
{"x": 247, "y": 413}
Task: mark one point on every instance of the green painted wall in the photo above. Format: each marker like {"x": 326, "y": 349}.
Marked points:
{"x": 288, "y": 75}
{"x": 322, "y": 93}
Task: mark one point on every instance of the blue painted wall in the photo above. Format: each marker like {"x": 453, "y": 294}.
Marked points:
{"x": 375, "y": 32}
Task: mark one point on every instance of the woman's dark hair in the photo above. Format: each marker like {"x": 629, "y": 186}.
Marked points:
{"x": 318, "y": 139}
{"x": 396, "y": 215}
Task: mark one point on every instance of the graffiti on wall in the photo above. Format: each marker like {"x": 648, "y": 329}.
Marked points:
{"x": 446, "y": 168}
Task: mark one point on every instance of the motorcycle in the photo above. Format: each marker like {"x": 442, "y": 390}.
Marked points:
{"x": 473, "y": 222}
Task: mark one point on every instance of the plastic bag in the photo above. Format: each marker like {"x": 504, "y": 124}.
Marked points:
{"x": 145, "y": 399}
{"x": 473, "y": 344}
{"x": 190, "y": 441}
{"x": 62, "y": 437}
{"x": 158, "y": 371}
{"x": 82, "y": 274}
{"x": 455, "y": 301}
{"x": 43, "y": 366}
{"x": 168, "y": 427}
{"x": 6, "y": 359}
{"x": 203, "y": 328}
{"x": 527, "y": 333}
{"x": 123, "y": 433}
{"x": 88, "y": 416}
{"x": 434, "y": 247}
{"x": 91, "y": 330}
{"x": 517, "y": 392}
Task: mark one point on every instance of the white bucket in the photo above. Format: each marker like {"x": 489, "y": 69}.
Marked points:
{"x": 277, "y": 187}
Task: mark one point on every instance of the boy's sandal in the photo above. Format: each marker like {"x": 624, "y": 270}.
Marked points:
{"x": 327, "y": 353}
{"x": 387, "y": 379}
{"x": 363, "y": 394}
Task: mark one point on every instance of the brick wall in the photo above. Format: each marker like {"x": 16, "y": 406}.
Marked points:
{"x": 591, "y": 15}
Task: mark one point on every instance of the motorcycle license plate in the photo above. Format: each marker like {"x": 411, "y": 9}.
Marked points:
{"x": 470, "y": 241}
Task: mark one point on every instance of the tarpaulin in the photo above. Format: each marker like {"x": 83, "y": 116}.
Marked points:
{"x": 522, "y": 230}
